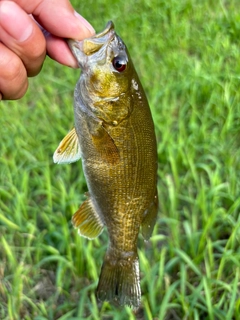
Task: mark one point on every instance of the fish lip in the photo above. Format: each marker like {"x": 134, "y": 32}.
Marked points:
{"x": 109, "y": 27}
{"x": 82, "y": 49}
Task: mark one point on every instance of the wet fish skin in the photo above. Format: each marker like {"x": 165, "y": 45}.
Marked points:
{"x": 119, "y": 157}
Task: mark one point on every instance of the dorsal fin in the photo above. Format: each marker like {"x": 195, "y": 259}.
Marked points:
{"x": 149, "y": 218}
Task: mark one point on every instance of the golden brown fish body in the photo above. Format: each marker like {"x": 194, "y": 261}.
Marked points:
{"x": 119, "y": 156}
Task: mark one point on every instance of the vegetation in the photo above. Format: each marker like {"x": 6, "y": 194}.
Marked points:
{"x": 187, "y": 55}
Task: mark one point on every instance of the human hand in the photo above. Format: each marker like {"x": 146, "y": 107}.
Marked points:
{"x": 29, "y": 29}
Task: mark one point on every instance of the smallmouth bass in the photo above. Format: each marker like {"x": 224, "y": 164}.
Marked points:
{"x": 114, "y": 136}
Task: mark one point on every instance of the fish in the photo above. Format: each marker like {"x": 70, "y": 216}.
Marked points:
{"x": 114, "y": 137}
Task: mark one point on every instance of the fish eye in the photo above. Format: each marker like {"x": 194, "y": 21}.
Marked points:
{"x": 119, "y": 63}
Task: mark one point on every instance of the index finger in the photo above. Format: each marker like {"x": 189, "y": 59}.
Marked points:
{"x": 58, "y": 17}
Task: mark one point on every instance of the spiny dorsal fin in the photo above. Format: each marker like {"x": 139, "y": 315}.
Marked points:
{"x": 149, "y": 218}
{"x": 87, "y": 220}
{"x": 68, "y": 150}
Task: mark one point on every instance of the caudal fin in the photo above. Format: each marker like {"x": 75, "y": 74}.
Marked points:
{"x": 119, "y": 280}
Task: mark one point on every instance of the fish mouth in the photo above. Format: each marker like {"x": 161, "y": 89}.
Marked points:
{"x": 91, "y": 45}
{"x": 109, "y": 27}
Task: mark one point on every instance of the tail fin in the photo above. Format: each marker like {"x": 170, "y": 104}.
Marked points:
{"x": 119, "y": 280}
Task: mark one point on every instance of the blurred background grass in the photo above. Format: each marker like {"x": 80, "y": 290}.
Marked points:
{"x": 187, "y": 55}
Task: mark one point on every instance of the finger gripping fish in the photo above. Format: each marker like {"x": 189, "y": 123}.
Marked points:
{"x": 114, "y": 136}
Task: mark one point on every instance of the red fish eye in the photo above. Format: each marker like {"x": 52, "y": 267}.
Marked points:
{"x": 119, "y": 64}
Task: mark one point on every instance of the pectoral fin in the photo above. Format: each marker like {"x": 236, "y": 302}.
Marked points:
{"x": 149, "y": 218}
{"x": 68, "y": 150}
{"x": 105, "y": 145}
{"x": 87, "y": 220}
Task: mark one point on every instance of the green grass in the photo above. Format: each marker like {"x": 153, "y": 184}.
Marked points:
{"x": 187, "y": 55}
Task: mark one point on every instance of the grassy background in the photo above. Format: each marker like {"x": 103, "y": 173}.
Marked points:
{"x": 187, "y": 55}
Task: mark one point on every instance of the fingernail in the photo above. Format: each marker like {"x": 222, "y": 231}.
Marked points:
{"x": 85, "y": 23}
{"x": 15, "y": 22}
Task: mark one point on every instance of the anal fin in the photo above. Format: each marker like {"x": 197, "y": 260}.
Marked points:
{"x": 87, "y": 220}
